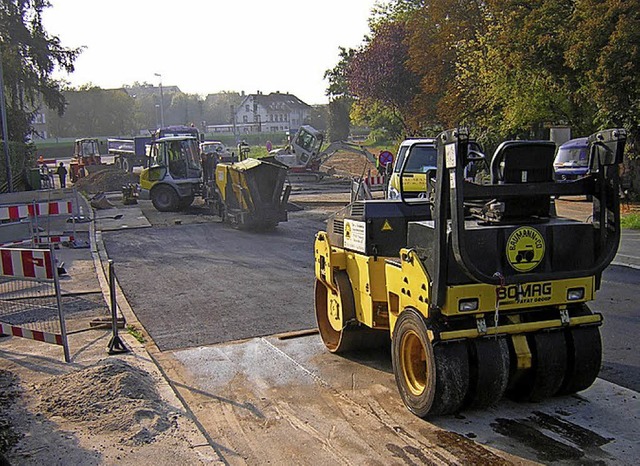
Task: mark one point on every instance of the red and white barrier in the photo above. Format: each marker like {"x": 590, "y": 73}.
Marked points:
{"x": 19, "y": 212}
{"x": 26, "y": 263}
{"x": 37, "y": 335}
{"x": 374, "y": 180}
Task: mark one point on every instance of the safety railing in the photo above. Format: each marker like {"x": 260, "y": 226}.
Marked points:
{"x": 30, "y": 299}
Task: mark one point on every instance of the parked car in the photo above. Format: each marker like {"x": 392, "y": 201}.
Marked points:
{"x": 572, "y": 160}
{"x": 218, "y": 150}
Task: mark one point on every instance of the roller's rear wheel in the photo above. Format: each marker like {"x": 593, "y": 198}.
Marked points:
{"x": 432, "y": 380}
{"x": 584, "y": 352}
{"x": 488, "y": 371}
{"x": 549, "y": 364}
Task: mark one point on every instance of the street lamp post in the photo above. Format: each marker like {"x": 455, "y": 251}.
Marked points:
{"x": 161, "y": 101}
{"x": 157, "y": 108}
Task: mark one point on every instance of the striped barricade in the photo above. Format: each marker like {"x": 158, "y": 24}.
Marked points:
{"x": 376, "y": 181}
{"x": 34, "y": 212}
{"x": 30, "y": 300}
{"x": 15, "y": 213}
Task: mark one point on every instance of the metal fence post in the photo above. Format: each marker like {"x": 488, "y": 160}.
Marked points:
{"x": 116, "y": 345}
{"x": 63, "y": 326}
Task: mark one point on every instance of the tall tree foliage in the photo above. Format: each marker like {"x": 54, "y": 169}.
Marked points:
{"x": 29, "y": 56}
{"x": 507, "y": 67}
{"x": 435, "y": 30}
{"x": 378, "y": 72}
{"x": 603, "y": 49}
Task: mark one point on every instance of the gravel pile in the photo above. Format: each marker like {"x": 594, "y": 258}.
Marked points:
{"x": 109, "y": 397}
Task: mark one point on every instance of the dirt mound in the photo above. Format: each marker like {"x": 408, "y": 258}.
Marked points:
{"x": 110, "y": 397}
{"x": 350, "y": 164}
{"x": 106, "y": 180}
{"x": 9, "y": 392}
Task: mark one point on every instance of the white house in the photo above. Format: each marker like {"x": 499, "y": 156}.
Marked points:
{"x": 271, "y": 113}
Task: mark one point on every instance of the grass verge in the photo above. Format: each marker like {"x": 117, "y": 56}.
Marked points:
{"x": 135, "y": 333}
{"x": 631, "y": 221}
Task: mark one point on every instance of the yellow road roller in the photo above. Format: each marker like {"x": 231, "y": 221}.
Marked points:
{"x": 480, "y": 289}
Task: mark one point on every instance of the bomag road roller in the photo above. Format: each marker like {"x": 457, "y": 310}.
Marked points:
{"x": 251, "y": 194}
{"x": 481, "y": 288}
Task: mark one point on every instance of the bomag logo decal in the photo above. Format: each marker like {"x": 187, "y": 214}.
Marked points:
{"x": 525, "y": 249}
{"x": 525, "y": 293}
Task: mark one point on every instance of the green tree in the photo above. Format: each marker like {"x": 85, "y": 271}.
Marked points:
{"x": 378, "y": 72}
{"x": 185, "y": 109}
{"x": 604, "y": 52}
{"x": 29, "y": 56}
{"x": 217, "y": 107}
{"x": 339, "y": 125}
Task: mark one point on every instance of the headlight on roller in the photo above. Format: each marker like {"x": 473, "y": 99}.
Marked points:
{"x": 575, "y": 294}
{"x": 393, "y": 193}
{"x": 468, "y": 305}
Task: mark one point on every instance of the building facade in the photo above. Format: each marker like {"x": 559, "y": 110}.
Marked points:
{"x": 271, "y": 113}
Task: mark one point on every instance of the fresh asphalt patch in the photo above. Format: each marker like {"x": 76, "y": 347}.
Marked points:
{"x": 202, "y": 284}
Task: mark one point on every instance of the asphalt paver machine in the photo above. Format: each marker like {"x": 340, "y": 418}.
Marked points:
{"x": 250, "y": 194}
{"x": 480, "y": 289}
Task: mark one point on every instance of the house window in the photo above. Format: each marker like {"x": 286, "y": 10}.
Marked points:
{"x": 246, "y": 108}
{"x": 245, "y": 119}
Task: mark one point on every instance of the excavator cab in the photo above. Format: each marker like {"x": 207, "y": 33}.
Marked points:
{"x": 481, "y": 288}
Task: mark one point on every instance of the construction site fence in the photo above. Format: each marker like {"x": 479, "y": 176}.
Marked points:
{"x": 30, "y": 223}
{"x": 30, "y": 298}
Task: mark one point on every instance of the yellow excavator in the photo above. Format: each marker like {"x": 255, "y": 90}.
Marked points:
{"x": 480, "y": 289}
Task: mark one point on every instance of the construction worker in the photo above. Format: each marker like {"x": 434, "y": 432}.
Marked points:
{"x": 44, "y": 173}
{"x": 62, "y": 175}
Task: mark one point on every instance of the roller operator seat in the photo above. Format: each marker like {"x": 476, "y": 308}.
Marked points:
{"x": 517, "y": 162}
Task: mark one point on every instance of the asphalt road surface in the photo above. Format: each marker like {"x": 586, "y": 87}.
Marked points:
{"x": 206, "y": 283}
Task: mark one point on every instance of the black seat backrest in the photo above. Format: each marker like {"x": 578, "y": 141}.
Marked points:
{"x": 523, "y": 162}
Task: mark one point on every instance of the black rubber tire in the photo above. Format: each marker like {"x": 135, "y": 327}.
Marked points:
{"x": 118, "y": 162}
{"x": 549, "y": 365}
{"x": 584, "y": 352}
{"x": 489, "y": 363}
{"x": 432, "y": 380}
{"x": 164, "y": 199}
{"x": 126, "y": 165}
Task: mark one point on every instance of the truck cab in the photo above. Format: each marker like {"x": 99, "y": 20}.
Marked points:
{"x": 416, "y": 158}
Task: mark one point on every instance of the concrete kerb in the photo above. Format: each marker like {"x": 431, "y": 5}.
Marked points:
{"x": 146, "y": 354}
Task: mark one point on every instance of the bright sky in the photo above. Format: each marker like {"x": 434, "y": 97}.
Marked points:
{"x": 208, "y": 46}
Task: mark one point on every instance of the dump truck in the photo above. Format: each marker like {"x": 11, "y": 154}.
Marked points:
{"x": 304, "y": 155}
{"x": 479, "y": 289}
{"x": 129, "y": 152}
{"x": 86, "y": 158}
{"x": 250, "y": 194}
